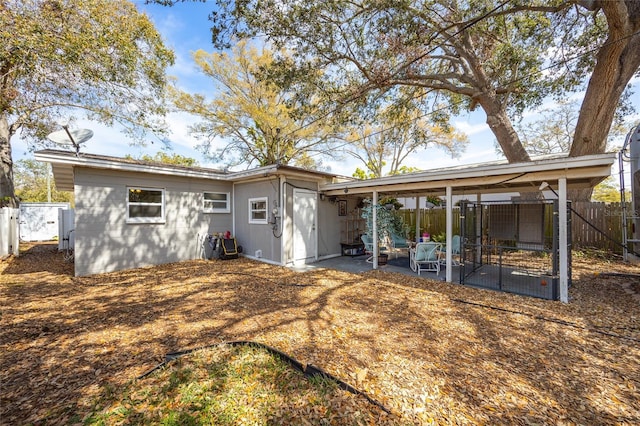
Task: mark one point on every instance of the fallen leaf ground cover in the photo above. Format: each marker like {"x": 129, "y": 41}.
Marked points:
{"x": 231, "y": 385}
{"x": 432, "y": 352}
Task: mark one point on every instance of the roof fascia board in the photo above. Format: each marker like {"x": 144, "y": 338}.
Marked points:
{"x": 442, "y": 177}
{"x": 128, "y": 167}
{"x": 274, "y": 170}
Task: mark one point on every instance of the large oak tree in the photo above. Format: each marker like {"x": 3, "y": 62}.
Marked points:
{"x": 501, "y": 56}
{"x": 99, "y": 58}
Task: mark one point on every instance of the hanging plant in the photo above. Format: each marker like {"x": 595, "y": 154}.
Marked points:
{"x": 387, "y": 221}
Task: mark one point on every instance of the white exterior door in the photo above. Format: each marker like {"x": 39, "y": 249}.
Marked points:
{"x": 305, "y": 246}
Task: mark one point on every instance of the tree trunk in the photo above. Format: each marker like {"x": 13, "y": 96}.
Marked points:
{"x": 502, "y": 129}
{"x": 617, "y": 60}
{"x": 7, "y": 193}
{"x": 616, "y": 64}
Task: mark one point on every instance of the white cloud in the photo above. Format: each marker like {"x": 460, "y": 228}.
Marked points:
{"x": 471, "y": 129}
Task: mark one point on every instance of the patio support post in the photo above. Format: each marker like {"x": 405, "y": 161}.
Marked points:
{"x": 449, "y": 226}
{"x": 417, "y": 238}
{"x": 563, "y": 243}
{"x": 478, "y": 216}
{"x": 374, "y": 205}
{"x": 284, "y": 241}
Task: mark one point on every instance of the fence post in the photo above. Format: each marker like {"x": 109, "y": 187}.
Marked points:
{"x": 9, "y": 231}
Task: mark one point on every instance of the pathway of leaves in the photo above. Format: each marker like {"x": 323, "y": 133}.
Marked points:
{"x": 432, "y": 352}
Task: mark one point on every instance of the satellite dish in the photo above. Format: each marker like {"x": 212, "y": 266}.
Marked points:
{"x": 71, "y": 137}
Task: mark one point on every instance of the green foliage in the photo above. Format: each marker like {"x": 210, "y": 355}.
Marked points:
{"x": 163, "y": 157}
{"x": 450, "y": 57}
{"x": 360, "y": 174}
{"x": 553, "y": 132}
{"x": 32, "y": 185}
{"x": 388, "y": 220}
{"x": 385, "y": 201}
{"x": 439, "y": 238}
{"x": 102, "y": 58}
{"x": 436, "y": 201}
{"x": 405, "y": 57}
{"x": 397, "y": 132}
{"x": 227, "y": 386}
{"x": 402, "y": 170}
{"x": 262, "y": 123}
{"x": 608, "y": 191}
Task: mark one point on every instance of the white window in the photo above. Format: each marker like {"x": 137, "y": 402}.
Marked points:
{"x": 145, "y": 205}
{"x": 216, "y": 202}
{"x": 258, "y": 210}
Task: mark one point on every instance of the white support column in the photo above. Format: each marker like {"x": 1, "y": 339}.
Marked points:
{"x": 374, "y": 205}
{"x": 449, "y": 229}
{"x": 563, "y": 243}
{"x": 417, "y": 238}
{"x": 479, "y": 229}
{"x": 284, "y": 236}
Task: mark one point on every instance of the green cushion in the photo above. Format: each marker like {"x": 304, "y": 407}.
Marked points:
{"x": 421, "y": 252}
{"x": 425, "y": 252}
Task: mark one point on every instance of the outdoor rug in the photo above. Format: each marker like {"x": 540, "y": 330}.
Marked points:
{"x": 400, "y": 261}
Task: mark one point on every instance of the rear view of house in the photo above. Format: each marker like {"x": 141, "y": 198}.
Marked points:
{"x": 133, "y": 213}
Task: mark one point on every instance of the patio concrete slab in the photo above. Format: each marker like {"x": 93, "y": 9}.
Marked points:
{"x": 358, "y": 264}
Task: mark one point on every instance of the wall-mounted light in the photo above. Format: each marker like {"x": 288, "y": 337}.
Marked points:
{"x": 322, "y": 196}
{"x": 346, "y": 190}
{"x": 545, "y": 185}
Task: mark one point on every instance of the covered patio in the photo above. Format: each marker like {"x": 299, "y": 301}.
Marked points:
{"x": 548, "y": 178}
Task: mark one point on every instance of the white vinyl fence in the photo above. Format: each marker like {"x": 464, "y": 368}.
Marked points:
{"x": 9, "y": 231}
{"x": 39, "y": 221}
{"x": 66, "y": 228}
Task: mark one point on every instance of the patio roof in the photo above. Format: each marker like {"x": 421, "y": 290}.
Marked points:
{"x": 496, "y": 177}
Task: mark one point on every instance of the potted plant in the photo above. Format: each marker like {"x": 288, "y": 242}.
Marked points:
{"x": 387, "y": 222}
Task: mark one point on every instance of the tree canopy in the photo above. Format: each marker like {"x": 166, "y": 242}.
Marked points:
{"x": 259, "y": 121}
{"x": 34, "y": 183}
{"x": 553, "y": 131}
{"x": 163, "y": 157}
{"x": 503, "y": 57}
{"x": 99, "y": 58}
{"x": 608, "y": 191}
{"x": 395, "y": 137}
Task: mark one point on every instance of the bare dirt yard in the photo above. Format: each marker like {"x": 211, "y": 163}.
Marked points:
{"x": 432, "y": 352}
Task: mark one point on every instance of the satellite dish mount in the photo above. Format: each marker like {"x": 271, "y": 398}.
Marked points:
{"x": 71, "y": 137}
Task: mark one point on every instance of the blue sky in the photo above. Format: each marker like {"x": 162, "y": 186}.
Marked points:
{"x": 185, "y": 28}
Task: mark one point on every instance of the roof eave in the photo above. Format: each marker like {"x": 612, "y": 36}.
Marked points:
{"x": 583, "y": 171}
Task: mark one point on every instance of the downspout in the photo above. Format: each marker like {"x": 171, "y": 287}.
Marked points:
{"x": 284, "y": 220}
{"x": 234, "y": 208}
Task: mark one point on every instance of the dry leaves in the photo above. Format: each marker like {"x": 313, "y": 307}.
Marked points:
{"x": 435, "y": 353}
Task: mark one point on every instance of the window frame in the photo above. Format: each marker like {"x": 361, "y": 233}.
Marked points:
{"x": 252, "y": 219}
{"x": 146, "y": 219}
{"x": 226, "y": 209}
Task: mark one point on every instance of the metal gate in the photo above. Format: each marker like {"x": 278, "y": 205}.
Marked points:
{"x": 512, "y": 247}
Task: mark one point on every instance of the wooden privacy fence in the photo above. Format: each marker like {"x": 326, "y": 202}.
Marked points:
{"x": 606, "y": 217}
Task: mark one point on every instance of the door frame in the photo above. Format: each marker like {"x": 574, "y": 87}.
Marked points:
{"x": 313, "y": 252}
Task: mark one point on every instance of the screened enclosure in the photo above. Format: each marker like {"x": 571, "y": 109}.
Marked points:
{"x": 512, "y": 247}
